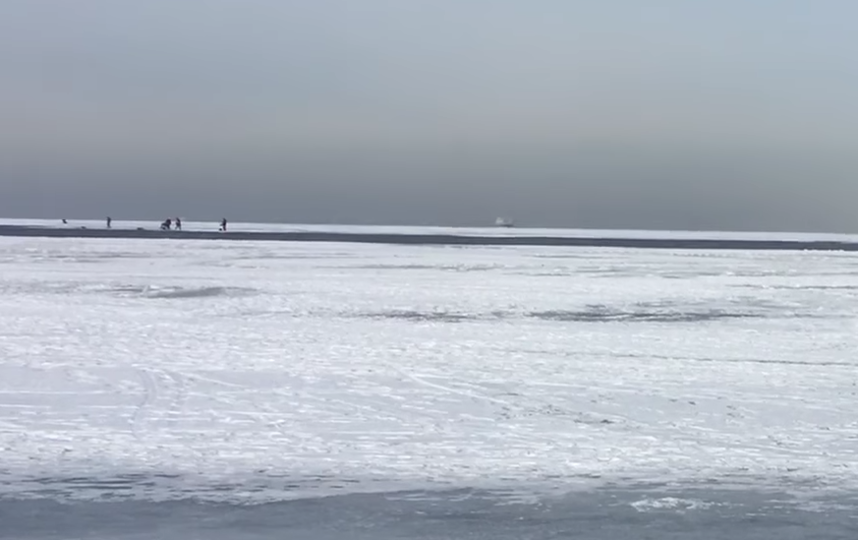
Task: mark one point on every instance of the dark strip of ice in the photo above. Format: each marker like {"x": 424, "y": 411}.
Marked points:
{"x": 434, "y": 239}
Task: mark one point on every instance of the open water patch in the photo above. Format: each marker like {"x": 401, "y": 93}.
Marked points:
{"x": 179, "y": 292}
{"x": 596, "y": 514}
{"x": 666, "y": 311}
{"x": 596, "y": 314}
{"x": 435, "y": 267}
{"x": 586, "y": 314}
{"x": 199, "y": 292}
{"x": 797, "y": 287}
{"x": 423, "y": 316}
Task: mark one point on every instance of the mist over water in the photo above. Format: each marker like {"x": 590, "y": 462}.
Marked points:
{"x": 729, "y": 116}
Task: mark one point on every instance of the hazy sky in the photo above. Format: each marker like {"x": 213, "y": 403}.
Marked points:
{"x": 735, "y": 114}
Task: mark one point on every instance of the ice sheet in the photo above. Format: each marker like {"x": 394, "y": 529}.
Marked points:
{"x": 164, "y": 369}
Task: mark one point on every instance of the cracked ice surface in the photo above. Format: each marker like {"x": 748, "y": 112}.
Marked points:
{"x": 176, "y": 368}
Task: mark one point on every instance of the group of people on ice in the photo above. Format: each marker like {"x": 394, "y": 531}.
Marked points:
{"x": 168, "y": 224}
{"x": 176, "y": 224}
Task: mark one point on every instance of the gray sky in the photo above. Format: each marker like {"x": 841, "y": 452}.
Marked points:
{"x": 674, "y": 114}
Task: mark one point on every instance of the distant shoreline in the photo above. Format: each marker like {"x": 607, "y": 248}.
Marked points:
{"x": 432, "y": 239}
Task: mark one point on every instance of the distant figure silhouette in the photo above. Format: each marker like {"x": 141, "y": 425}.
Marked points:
{"x": 167, "y": 225}
{"x": 65, "y": 222}
{"x": 109, "y": 221}
{"x": 223, "y": 225}
{"x": 178, "y": 224}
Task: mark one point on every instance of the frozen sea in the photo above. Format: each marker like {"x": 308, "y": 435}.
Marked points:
{"x": 179, "y": 389}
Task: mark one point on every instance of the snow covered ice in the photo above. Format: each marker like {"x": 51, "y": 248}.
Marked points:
{"x": 257, "y": 372}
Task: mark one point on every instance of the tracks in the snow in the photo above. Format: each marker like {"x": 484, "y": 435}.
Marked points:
{"x": 164, "y": 395}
